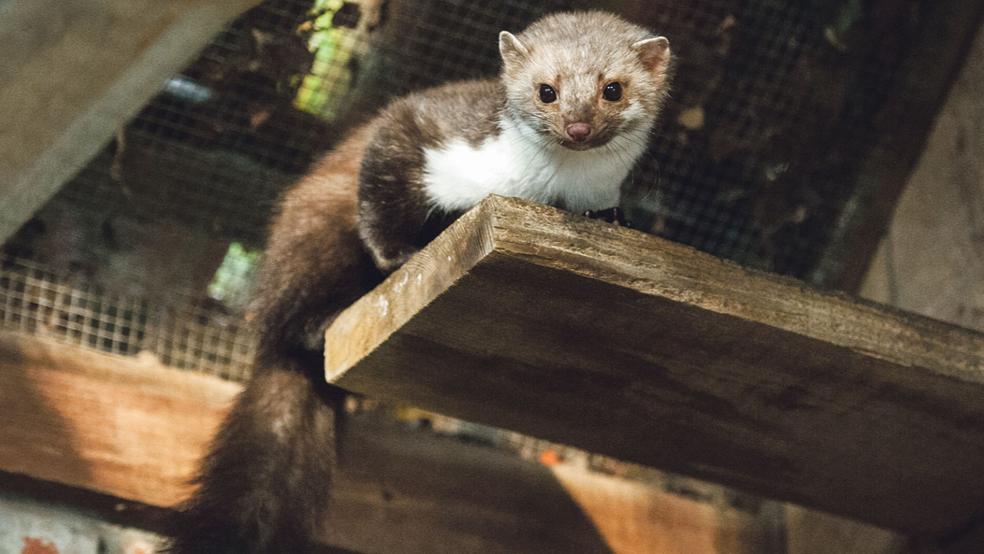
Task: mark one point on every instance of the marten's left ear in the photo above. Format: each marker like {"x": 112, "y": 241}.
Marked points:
{"x": 513, "y": 51}
{"x": 654, "y": 53}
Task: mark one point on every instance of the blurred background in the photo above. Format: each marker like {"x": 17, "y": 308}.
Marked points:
{"x": 792, "y": 130}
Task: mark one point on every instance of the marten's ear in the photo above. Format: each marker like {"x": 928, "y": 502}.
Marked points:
{"x": 654, "y": 53}
{"x": 513, "y": 51}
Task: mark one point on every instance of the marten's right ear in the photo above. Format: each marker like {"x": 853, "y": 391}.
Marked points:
{"x": 654, "y": 54}
{"x": 513, "y": 51}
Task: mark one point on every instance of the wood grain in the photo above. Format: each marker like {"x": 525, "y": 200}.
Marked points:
{"x": 134, "y": 429}
{"x": 120, "y": 426}
{"x": 73, "y": 71}
{"x": 524, "y": 317}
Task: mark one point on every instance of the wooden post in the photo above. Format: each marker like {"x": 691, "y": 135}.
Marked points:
{"x": 577, "y": 331}
{"x": 73, "y": 71}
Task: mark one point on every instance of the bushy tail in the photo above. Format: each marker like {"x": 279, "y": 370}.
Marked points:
{"x": 264, "y": 486}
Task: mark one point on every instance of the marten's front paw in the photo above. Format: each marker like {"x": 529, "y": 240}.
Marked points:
{"x": 612, "y": 215}
{"x": 389, "y": 259}
{"x": 390, "y": 264}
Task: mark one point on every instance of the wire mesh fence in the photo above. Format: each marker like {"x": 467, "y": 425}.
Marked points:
{"x": 771, "y": 114}
{"x": 35, "y": 301}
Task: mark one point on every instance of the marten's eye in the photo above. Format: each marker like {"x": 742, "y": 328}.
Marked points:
{"x": 613, "y": 92}
{"x": 547, "y": 94}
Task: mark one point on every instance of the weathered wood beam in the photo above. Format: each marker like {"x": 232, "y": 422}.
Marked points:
{"x": 573, "y": 330}
{"x": 73, "y": 71}
{"x": 133, "y": 429}
{"x": 114, "y": 425}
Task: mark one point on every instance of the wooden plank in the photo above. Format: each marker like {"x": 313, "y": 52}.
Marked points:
{"x": 69, "y": 427}
{"x": 73, "y": 71}
{"x": 133, "y": 429}
{"x": 524, "y": 317}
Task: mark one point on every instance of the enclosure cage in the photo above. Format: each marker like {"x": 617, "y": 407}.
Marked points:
{"x": 776, "y": 109}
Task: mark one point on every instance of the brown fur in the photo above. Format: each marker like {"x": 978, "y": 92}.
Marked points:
{"x": 394, "y": 217}
{"x": 264, "y": 484}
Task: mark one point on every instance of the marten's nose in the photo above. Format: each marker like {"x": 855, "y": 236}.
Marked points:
{"x": 579, "y": 132}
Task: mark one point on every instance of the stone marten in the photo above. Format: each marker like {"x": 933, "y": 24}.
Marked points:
{"x": 565, "y": 122}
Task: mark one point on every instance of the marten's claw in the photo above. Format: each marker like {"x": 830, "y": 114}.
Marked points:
{"x": 614, "y": 215}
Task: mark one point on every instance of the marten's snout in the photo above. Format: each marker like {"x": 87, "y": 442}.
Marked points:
{"x": 579, "y": 132}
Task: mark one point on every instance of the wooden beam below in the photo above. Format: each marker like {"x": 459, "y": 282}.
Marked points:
{"x": 133, "y": 429}
{"x": 73, "y": 71}
{"x": 525, "y": 317}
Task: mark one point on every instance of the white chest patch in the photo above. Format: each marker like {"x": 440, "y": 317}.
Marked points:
{"x": 517, "y": 163}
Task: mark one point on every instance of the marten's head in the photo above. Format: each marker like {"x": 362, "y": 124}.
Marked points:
{"x": 585, "y": 79}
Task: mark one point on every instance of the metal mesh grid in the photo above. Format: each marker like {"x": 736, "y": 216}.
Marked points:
{"x": 36, "y": 301}
{"x": 753, "y": 161}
